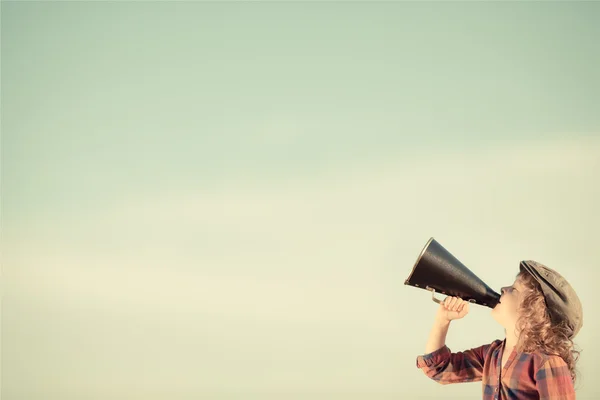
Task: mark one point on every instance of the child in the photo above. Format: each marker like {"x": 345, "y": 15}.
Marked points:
{"x": 541, "y": 315}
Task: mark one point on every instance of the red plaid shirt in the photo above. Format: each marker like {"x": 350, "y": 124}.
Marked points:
{"x": 525, "y": 375}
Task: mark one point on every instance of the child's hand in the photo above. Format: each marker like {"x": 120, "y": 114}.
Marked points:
{"x": 452, "y": 308}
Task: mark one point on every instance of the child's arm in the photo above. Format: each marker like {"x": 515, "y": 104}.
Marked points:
{"x": 553, "y": 380}
{"x": 446, "y": 367}
{"x": 437, "y": 336}
{"x": 439, "y": 363}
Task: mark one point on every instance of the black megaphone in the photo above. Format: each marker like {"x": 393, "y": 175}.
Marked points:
{"x": 439, "y": 271}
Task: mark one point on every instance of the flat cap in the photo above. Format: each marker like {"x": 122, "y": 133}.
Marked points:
{"x": 562, "y": 301}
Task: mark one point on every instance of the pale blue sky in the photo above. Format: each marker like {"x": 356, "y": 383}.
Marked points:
{"x": 112, "y": 98}
{"x": 222, "y": 200}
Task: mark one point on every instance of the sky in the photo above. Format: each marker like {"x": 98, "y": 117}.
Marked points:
{"x": 222, "y": 200}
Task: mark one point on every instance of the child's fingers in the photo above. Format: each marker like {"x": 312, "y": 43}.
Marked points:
{"x": 464, "y": 309}
{"x": 451, "y": 304}
{"x": 458, "y": 304}
{"x": 446, "y": 302}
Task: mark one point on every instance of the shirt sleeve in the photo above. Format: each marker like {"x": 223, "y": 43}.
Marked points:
{"x": 553, "y": 380}
{"x": 446, "y": 367}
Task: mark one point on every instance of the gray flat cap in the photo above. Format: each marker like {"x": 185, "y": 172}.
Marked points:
{"x": 562, "y": 301}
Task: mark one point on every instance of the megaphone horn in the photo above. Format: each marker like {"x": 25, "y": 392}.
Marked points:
{"x": 437, "y": 270}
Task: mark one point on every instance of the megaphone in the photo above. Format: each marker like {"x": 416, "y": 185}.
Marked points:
{"x": 439, "y": 271}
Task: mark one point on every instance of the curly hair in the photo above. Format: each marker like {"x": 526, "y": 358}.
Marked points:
{"x": 537, "y": 331}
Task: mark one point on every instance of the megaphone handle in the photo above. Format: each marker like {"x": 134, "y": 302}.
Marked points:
{"x": 434, "y": 298}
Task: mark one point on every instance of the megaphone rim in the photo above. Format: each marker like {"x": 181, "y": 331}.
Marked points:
{"x": 406, "y": 282}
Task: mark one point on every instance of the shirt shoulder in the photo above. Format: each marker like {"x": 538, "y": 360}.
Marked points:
{"x": 543, "y": 360}
{"x": 495, "y": 345}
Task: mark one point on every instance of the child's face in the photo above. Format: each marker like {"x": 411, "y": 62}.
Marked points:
{"x": 505, "y": 313}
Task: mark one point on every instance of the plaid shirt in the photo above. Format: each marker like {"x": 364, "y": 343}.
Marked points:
{"x": 525, "y": 375}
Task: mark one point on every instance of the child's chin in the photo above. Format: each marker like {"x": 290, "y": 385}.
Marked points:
{"x": 497, "y": 316}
